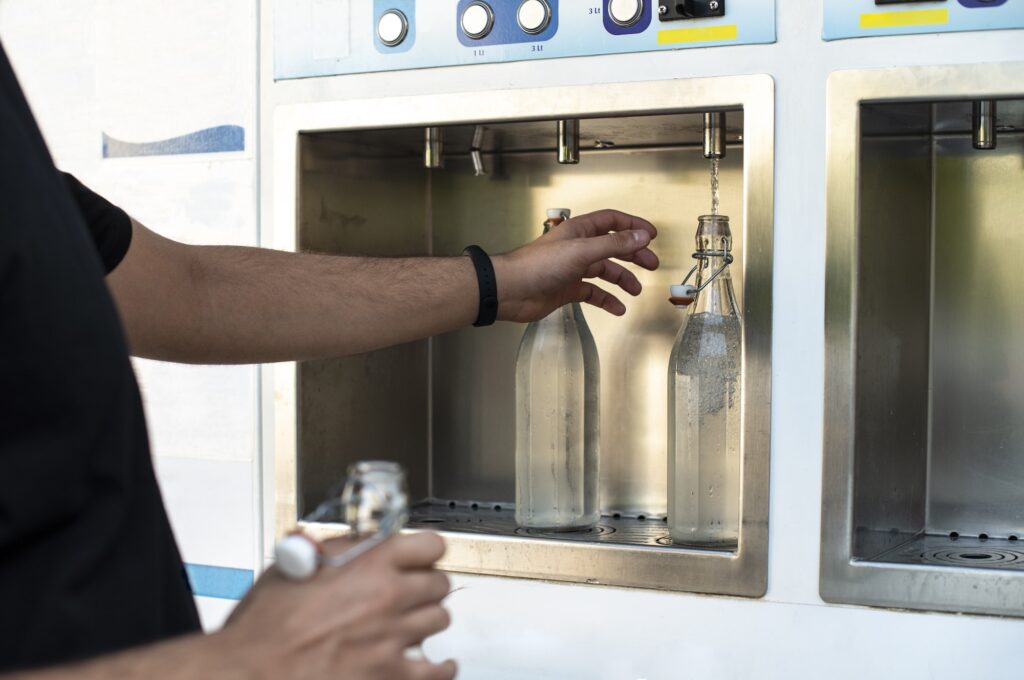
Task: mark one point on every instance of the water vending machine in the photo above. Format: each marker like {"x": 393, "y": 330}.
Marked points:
{"x": 867, "y": 168}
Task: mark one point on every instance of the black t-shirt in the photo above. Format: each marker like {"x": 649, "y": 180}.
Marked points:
{"x": 88, "y": 563}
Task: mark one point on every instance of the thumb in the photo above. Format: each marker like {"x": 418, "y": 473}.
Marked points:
{"x": 620, "y": 245}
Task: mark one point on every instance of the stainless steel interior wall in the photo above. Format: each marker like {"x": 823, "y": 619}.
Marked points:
{"x": 373, "y": 405}
{"x": 474, "y": 369}
{"x": 893, "y": 302}
{"x": 976, "y": 480}
{"x": 377, "y": 405}
{"x": 940, "y": 323}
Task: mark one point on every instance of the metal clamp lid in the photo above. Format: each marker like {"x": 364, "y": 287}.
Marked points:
{"x": 727, "y": 260}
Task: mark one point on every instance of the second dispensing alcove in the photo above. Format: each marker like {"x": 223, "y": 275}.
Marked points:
{"x": 924, "y": 401}
{"x": 431, "y": 175}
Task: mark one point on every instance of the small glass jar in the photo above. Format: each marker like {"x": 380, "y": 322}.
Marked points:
{"x": 374, "y": 497}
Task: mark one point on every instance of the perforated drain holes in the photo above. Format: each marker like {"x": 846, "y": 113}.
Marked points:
{"x": 581, "y": 534}
{"x": 973, "y": 557}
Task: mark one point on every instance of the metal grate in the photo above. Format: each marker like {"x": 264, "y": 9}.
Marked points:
{"x": 499, "y": 519}
{"x": 978, "y": 553}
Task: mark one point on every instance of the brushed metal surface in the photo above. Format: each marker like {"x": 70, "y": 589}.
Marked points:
{"x": 892, "y": 322}
{"x": 922, "y": 302}
{"x": 963, "y": 553}
{"x": 474, "y": 407}
{"x": 626, "y": 131}
{"x": 348, "y": 408}
{"x": 456, "y": 436}
{"x": 887, "y": 119}
{"x": 499, "y": 520}
{"x": 977, "y": 468}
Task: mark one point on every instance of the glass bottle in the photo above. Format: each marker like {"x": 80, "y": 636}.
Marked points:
{"x": 374, "y": 498}
{"x": 557, "y": 419}
{"x": 704, "y": 400}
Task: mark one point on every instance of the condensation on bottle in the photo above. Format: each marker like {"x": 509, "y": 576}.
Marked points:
{"x": 557, "y": 419}
{"x": 704, "y": 397}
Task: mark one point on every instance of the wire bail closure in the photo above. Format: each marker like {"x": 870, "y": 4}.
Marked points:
{"x": 703, "y": 256}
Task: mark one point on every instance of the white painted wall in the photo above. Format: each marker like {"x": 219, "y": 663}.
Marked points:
{"x": 142, "y": 70}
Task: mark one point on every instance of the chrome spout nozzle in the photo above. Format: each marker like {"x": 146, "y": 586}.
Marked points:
{"x": 984, "y": 136}
{"x": 714, "y": 134}
{"x": 475, "y": 151}
{"x": 568, "y": 141}
{"x": 433, "y": 150}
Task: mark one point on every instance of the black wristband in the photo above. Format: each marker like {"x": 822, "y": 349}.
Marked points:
{"x": 488, "y": 311}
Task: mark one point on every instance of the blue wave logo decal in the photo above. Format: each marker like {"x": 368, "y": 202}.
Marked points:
{"x": 219, "y": 139}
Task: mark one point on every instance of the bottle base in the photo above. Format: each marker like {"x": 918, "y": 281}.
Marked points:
{"x": 697, "y": 540}
{"x": 548, "y": 527}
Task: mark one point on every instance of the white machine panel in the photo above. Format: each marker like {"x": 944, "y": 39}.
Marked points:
{"x": 334, "y": 37}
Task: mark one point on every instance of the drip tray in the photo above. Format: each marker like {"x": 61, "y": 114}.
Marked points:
{"x": 989, "y": 553}
{"x": 499, "y": 520}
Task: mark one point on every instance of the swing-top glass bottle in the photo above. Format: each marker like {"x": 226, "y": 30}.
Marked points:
{"x": 704, "y": 396}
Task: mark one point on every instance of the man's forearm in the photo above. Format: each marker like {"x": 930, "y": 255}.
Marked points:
{"x": 226, "y": 304}
{"x": 261, "y": 305}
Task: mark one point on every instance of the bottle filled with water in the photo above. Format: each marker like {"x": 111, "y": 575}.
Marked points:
{"x": 557, "y": 419}
{"x": 704, "y": 397}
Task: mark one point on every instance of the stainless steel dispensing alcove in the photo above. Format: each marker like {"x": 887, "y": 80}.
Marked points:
{"x": 924, "y": 403}
{"x": 430, "y": 175}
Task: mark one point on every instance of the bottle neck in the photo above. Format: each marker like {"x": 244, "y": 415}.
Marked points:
{"x": 718, "y": 297}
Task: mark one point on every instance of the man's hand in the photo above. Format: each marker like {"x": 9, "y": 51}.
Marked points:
{"x": 352, "y": 623}
{"x": 549, "y": 272}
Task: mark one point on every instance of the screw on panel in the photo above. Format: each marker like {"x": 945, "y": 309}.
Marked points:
{"x": 663, "y": 9}
{"x": 713, "y": 5}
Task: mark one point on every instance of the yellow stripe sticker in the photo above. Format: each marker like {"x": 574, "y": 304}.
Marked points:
{"x": 916, "y": 17}
{"x": 703, "y": 34}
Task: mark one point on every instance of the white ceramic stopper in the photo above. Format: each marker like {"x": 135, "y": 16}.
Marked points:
{"x": 682, "y": 291}
{"x": 296, "y": 557}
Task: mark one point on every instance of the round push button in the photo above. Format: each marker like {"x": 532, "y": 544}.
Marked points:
{"x": 477, "y": 20}
{"x": 534, "y": 16}
{"x": 392, "y": 27}
{"x": 625, "y": 12}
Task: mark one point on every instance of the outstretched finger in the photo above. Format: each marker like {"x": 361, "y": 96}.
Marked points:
{"x": 421, "y": 588}
{"x": 604, "y": 221}
{"x": 598, "y": 297}
{"x": 609, "y": 271}
{"x": 415, "y": 551}
{"x": 622, "y": 245}
{"x": 421, "y": 669}
{"x": 645, "y": 257}
{"x": 424, "y": 622}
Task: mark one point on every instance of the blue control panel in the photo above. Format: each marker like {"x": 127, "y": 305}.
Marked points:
{"x": 505, "y": 29}
{"x": 336, "y": 37}
{"x": 862, "y": 18}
